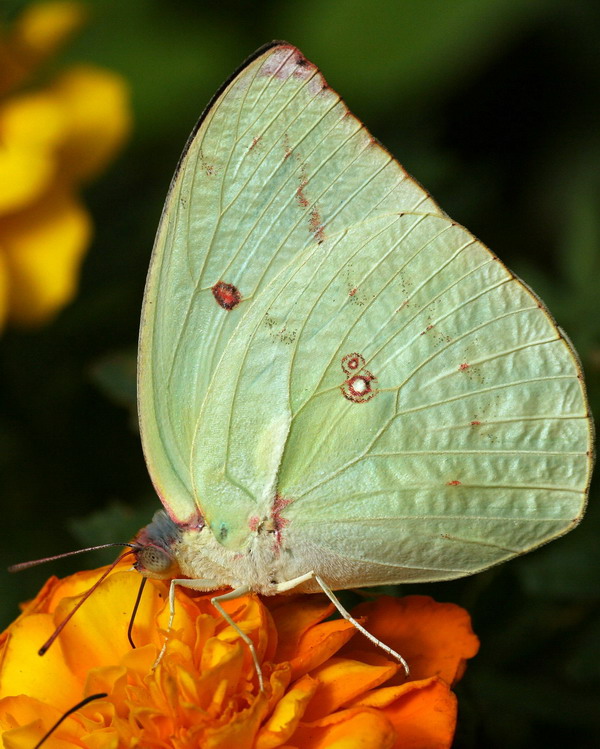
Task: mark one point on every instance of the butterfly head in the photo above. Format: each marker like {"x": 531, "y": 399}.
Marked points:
{"x": 154, "y": 548}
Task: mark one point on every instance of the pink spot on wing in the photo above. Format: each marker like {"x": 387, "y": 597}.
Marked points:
{"x": 226, "y": 295}
{"x": 351, "y": 363}
{"x": 208, "y": 168}
{"x": 358, "y": 389}
{"x": 475, "y": 423}
{"x": 353, "y": 291}
{"x": 253, "y": 523}
{"x": 300, "y": 196}
{"x": 255, "y": 142}
{"x": 278, "y": 505}
{"x": 315, "y": 224}
{"x": 427, "y": 329}
{"x": 279, "y": 522}
{"x": 286, "y": 62}
{"x": 453, "y": 483}
{"x": 464, "y": 366}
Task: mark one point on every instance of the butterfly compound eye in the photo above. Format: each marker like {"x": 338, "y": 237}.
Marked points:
{"x": 155, "y": 562}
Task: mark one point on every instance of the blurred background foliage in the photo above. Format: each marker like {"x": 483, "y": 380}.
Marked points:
{"x": 494, "y": 106}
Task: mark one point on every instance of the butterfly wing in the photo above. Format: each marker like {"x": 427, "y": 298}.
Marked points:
{"x": 275, "y": 161}
{"x": 392, "y": 396}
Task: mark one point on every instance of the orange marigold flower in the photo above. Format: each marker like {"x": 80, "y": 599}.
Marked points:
{"x": 51, "y": 140}
{"x": 323, "y": 686}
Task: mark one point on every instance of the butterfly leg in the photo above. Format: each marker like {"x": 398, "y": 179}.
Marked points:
{"x": 184, "y": 583}
{"x": 211, "y": 585}
{"x": 290, "y": 584}
{"x": 237, "y": 593}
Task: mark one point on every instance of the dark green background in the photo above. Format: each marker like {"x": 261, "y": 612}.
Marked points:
{"x": 493, "y": 106}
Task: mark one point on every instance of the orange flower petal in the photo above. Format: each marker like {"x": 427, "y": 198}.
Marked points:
{"x": 39, "y": 604}
{"x": 43, "y": 246}
{"x": 25, "y": 720}
{"x": 423, "y": 712}
{"x": 35, "y": 718}
{"x": 319, "y": 644}
{"x": 252, "y": 618}
{"x": 435, "y": 638}
{"x": 107, "y": 739}
{"x": 185, "y": 620}
{"x": 356, "y": 728}
{"x": 240, "y": 732}
{"x": 304, "y": 642}
{"x": 54, "y": 593}
{"x": 109, "y": 679}
{"x": 222, "y": 667}
{"x": 342, "y": 680}
{"x": 55, "y": 589}
{"x": 293, "y": 620}
{"x": 25, "y": 672}
{"x": 90, "y": 640}
{"x": 279, "y": 681}
{"x": 97, "y": 111}
{"x": 287, "y": 714}
{"x": 204, "y": 690}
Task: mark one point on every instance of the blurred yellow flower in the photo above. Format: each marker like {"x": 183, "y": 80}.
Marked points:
{"x": 325, "y": 685}
{"x": 51, "y": 140}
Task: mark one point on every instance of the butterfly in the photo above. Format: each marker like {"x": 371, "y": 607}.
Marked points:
{"x": 338, "y": 385}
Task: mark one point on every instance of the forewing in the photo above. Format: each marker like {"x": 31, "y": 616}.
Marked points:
{"x": 275, "y": 164}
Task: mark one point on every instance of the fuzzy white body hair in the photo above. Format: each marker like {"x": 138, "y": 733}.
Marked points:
{"x": 272, "y": 558}
{"x": 266, "y": 563}
{"x": 262, "y": 565}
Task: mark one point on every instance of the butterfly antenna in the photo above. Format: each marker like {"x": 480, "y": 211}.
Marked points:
{"x": 35, "y": 562}
{"x": 61, "y": 626}
{"x": 70, "y": 711}
{"x": 134, "y": 612}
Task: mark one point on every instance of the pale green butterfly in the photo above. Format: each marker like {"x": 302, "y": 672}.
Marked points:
{"x": 338, "y": 385}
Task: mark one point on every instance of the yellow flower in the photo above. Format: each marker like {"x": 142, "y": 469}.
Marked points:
{"x": 51, "y": 140}
{"x": 325, "y": 685}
